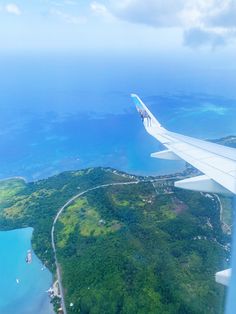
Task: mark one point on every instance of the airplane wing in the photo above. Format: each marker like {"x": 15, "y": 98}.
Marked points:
{"x": 217, "y": 163}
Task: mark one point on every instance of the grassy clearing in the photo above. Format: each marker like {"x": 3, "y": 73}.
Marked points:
{"x": 10, "y": 188}
{"x": 85, "y": 220}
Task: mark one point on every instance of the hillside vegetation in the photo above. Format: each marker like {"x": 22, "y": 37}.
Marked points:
{"x": 140, "y": 248}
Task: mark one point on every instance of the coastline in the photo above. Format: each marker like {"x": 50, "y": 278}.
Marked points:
{"x": 14, "y": 178}
{"x": 74, "y": 176}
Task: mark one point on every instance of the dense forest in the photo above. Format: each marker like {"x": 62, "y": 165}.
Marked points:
{"x": 138, "y": 248}
{"x": 132, "y": 249}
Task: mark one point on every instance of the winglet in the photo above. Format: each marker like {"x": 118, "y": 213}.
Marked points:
{"x": 140, "y": 105}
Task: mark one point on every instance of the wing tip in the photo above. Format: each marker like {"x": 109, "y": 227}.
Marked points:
{"x": 135, "y": 96}
{"x": 138, "y": 102}
{"x": 140, "y": 105}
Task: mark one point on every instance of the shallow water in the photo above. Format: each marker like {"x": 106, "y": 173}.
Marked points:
{"x": 29, "y": 295}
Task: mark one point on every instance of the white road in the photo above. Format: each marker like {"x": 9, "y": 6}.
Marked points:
{"x": 53, "y": 229}
{"x": 69, "y": 203}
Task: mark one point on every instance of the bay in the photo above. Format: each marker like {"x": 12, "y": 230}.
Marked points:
{"x": 28, "y": 295}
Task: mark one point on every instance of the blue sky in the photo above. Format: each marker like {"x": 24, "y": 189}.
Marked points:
{"x": 112, "y": 25}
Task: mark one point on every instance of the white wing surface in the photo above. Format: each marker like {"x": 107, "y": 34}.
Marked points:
{"x": 216, "y": 162}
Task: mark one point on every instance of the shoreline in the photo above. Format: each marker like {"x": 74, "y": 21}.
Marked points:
{"x": 13, "y": 178}
{"x": 121, "y": 172}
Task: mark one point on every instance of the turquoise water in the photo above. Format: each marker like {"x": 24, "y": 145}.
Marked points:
{"x": 29, "y": 295}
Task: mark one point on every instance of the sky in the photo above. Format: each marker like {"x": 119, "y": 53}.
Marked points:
{"x": 120, "y": 26}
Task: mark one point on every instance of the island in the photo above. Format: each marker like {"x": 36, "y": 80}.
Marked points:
{"x": 120, "y": 243}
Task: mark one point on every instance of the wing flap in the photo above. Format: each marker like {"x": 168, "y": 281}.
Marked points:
{"x": 223, "y": 277}
{"x": 201, "y": 184}
{"x": 165, "y": 154}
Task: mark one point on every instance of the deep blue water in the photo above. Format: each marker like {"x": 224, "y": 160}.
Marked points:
{"x": 62, "y": 113}
{"x": 68, "y": 113}
{"x": 29, "y": 295}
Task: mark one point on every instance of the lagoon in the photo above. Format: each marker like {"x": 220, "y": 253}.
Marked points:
{"x": 29, "y": 295}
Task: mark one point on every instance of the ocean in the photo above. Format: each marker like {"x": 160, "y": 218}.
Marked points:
{"x": 73, "y": 112}
{"x": 69, "y": 112}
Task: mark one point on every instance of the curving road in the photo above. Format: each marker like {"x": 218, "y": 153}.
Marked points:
{"x": 53, "y": 229}
{"x": 71, "y": 201}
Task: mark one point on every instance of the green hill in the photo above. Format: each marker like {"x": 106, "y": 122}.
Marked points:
{"x": 138, "y": 248}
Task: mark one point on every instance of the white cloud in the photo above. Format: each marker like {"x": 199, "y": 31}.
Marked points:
{"x": 100, "y": 10}
{"x": 12, "y": 8}
{"x": 69, "y": 18}
{"x": 152, "y": 12}
{"x": 202, "y": 21}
